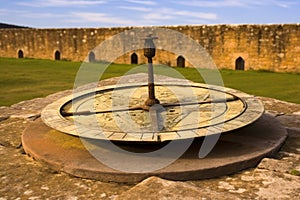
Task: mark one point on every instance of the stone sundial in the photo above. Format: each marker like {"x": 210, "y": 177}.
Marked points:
{"x": 153, "y": 113}
{"x": 176, "y": 117}
{"x": 171, "y": 111}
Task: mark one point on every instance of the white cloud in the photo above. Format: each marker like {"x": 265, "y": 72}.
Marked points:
{"x": 3, "y": 11}
{"x": 201, "y": 15}
{"x": 142, "y": 9}
{"x": 45, "y": 15}
{"x": 157, "y": 16}
{"x": 285, "y": 4}
{"x": 169, "y": 16}
{"x": 61, "y": 3}
{"x": 235, "y": 3}
{"x": 149, "y": 3}
{"x": 279, "y": 3}
{"x": 83, "y": 18}
{"x": 219, "y": 3}
{"x": 36, "y": 15}
{"x": 166, "y": 13}
{"x": 103, "y": 18}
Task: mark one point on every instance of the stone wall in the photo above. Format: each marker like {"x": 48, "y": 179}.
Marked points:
{"x": 258, "y": 47}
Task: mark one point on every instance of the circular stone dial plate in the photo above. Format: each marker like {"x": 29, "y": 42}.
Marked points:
{"x": 185, "y": 111}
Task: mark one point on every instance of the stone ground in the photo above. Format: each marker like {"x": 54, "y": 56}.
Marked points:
{"x": 23, "y": 178}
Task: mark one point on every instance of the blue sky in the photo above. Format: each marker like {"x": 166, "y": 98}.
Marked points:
{"x": 112, "y": 13}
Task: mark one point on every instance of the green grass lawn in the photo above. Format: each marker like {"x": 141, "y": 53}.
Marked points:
{"x": 23, "y": 79}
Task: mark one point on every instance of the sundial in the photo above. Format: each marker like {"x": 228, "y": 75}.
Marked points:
{"x": 99, "y": 116}
{"x": 85, "y": 133}
{"x": 153, "y": 112}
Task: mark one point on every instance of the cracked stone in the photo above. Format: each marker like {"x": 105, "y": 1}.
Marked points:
{"x": 275, "y": 165}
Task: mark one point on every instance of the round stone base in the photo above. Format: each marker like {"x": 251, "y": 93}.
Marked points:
{"x": 234, "y": 151}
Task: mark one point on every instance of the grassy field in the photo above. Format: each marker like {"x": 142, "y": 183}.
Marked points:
{"x": 23, "y": 79}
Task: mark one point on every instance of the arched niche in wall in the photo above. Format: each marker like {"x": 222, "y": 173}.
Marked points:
{"x": 20, "y": 54}
{"x": 180, "y": 61}
{"x": 134, "y": 58}
{"x": 57, "y": 55}
{"x": 239, "y": 64}
{"x": 92, "y": 57}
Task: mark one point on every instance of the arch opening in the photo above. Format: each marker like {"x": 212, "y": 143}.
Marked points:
{"x": 20, "y": 54}
{"x": 180, "y": 61}
{"x": 92, "y": 57}
{"x": 134, "y": 58}
{"x": 57, "y": 55}
{"x": 239, "y": 64}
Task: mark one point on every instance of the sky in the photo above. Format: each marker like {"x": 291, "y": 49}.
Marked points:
{"x": 114, "y": 13}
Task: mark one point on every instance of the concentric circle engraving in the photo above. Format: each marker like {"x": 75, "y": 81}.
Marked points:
{"x": 234, "y": 109}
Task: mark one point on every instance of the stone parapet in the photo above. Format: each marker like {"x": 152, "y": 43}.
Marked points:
{"x": 273, "y": 47}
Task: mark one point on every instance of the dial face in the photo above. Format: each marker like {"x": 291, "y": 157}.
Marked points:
{"x": 118, "y": 113}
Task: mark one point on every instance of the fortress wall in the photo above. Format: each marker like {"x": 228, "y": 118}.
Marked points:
{"x": 266, "y": 47}
{"x": 73, "y": 44}
{"x": 262, "y": 47}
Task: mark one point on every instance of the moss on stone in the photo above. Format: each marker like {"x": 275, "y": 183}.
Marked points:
{"x": 65, "y": 140}
{"x": 295, "y": 172}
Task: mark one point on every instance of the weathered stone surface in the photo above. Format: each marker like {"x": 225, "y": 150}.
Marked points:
{"x": 4, "y": 117}
{"x": 283, "y": 166}
{"x": 23, "y": 178}
{"x": 155, "y": 188}
{"x": 30, "y": 109}
{"x": 278, "y": 107}
{"x": 278, "y": 185}
{"x": 291, "y": 149}
{"x": 290, "y": 120}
